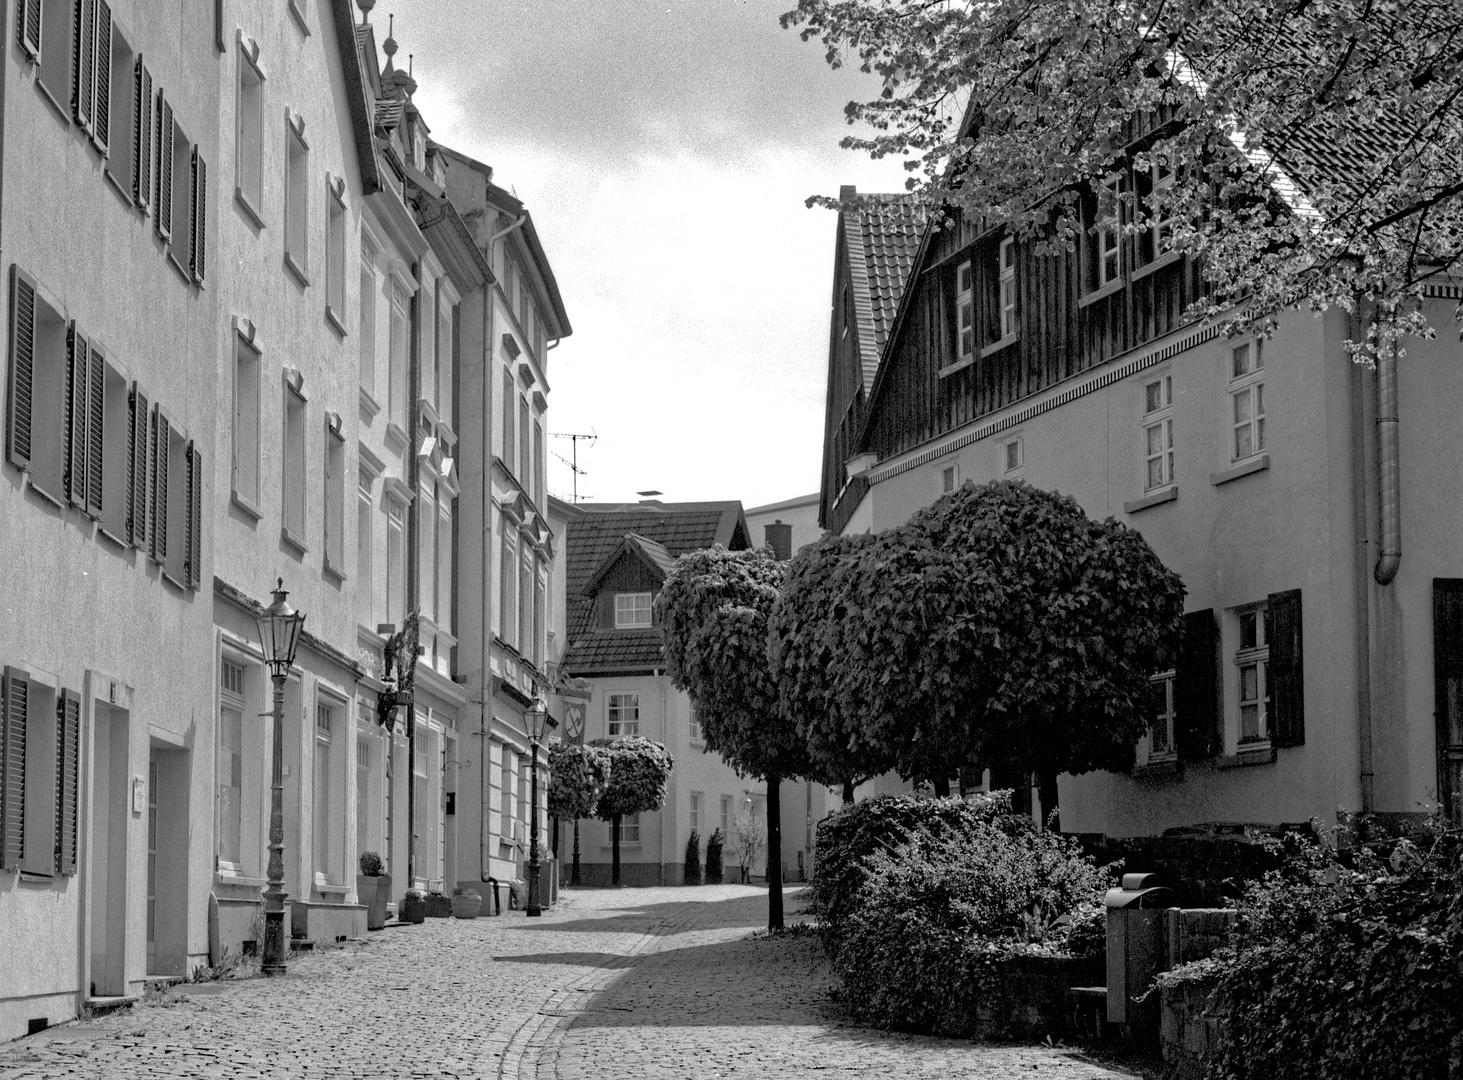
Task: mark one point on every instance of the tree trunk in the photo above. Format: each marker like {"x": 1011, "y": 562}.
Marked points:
{"x": 941, "y": 785}
{"x": 615, "y": 850}
{"x": 574, "y": 870}
{"x": 1046, "y": 790}
{"x": 774, "y": 853}
{"x": 848, "y": 793}
{"x": 554, "y": 847}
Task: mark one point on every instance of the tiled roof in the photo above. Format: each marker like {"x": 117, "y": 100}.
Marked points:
{"x": 883, "y": 239}
{"x": 652, "y": 554}
{"x": 663, "y": 532}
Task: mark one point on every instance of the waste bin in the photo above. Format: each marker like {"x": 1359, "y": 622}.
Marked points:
{"x": 1135, "y": 947}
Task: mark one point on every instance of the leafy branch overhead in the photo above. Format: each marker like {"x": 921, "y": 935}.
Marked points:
{"x": 578, "y": 775}
{"x": 1305, "y": 154}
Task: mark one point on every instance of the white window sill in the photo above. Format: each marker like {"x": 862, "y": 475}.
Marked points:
{"x": 1101, "y": 293}
{"x": 1003, "y": 343}
{"x": 296, "y": 270}
{"x": 369, "y": 405}
{"x": 293, "y": 540}
{"x": 1158, "y": 498}
{"x": 335, "y": 321}
{"x": 1249, "y": 754}
{"x": 244, "y": 503}
{"x": 1168, "y": 258}
{"x": 1258, "y": 463}
{"x": 242, "y": 201}
{"x": 959, "y": 365}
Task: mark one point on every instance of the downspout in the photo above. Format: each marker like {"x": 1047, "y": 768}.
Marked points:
{"x": 1388, "y": 468}
{"x": 487, "y": 563}
{"x": 1361, "y": 587}
{"x": 413, "y": 375}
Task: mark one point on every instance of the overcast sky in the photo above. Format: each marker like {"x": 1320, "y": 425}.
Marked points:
{"x": 665, "y": 150}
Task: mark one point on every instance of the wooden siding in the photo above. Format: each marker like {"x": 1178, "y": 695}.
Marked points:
{"x": 844, "y": 403}
{"x": 628, "y": 575}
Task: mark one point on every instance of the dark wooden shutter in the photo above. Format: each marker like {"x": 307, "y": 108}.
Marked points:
{"x": 28, "y": 27}
{"x": 142, "y": 136}
{"x": 68, "y": 761}
{"x": 1196, "y": 687}
{"x": 83, "y": 66}
{"x": 159, "y": 482}
{"x": 194, "y": 570}
{"x": 19, "y": 400}
{"x": 95, "y": 414}
{"x": 1448, "y": 702}
{"x": 164, "y": 214}
{"x": 78, "y": 361}
{"x": 1285, "y": 672}
{"x": 137, "y": 470}
{"x": 13, "y": 707}
{"x": 199, "y": 247}
{"x": 101, "y": 121}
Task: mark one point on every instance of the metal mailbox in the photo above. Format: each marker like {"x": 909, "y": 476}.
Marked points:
{"x": 1135, "y": 946}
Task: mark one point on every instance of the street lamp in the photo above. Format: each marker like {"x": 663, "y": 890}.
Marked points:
{"x": 279, "y": 635}
{"x": 537, "y": 720}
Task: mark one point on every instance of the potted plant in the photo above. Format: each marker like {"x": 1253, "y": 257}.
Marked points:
{"x": 466, "y": 903}
{"x": 439, "y": 906}
{"x": 414, "y": 906}
{"x": 373, "y": 887}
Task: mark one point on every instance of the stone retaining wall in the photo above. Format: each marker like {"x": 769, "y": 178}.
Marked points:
{"x": 1189, "y": 1032}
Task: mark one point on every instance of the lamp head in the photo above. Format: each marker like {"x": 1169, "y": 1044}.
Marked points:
{"x": 279, "y": 632}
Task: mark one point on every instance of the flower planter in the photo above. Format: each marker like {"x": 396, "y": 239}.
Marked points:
{"x": 374, "y": 892}
{"x": 466, "y": 905}
{"x": 438, "y": 906}
{"x": 414, "y": 910}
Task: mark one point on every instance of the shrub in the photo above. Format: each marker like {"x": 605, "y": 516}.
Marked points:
{"x": 849, "y": 837}
{"x": 933, "y": 919}
{"x": 371, "y": 865}
{"x": 714, "y": 843}
{"x": 693, "y": 859}
{"x": 1340, "y": 959}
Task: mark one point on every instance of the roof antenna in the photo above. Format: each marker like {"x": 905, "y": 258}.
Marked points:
{"x": 574, "y": 465}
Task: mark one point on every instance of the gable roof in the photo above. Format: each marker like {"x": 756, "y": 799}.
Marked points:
{"x": 653, "y": 555}
{"x": 882, "y": 238}
{"x": 657, "y": 532}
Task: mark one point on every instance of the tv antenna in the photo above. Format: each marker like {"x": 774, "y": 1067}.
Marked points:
{"x": 573, "y": 463}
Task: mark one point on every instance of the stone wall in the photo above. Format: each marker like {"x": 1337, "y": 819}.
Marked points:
{"x": 1188, "y": 1032}
{"x": 1027, "y": 997}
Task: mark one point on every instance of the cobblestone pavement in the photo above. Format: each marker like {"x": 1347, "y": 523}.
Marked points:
{"x": 634, "y": 983}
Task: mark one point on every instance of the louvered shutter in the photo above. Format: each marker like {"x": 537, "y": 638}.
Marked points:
{"x": 137, "y": 472}
{"x": 102, "y": 107}
{"x": 78, "y": 358}
{"x": 28, "y": 27}
{"x": 95, "y": 412}
{"x": 1284, "y": 674}
{"x": 164, "y": 168}
{"x": 83, "y": 65}
{"x": 1447, "y": 684}
{"x": 14, "y": 702}
{"x": 142, "y": 136}
{"x": 199, "y": 253}
{"x": 1196, "y": 687}
{"x": 194, "y": 571}
{"x": 68, "y": 759}
{"x": 159, "y": 482}
{"x": 19, "y": 401}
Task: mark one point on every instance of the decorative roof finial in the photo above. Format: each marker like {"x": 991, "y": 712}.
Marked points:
{"x": 365, "y": 6}
{"x": 389, "y": 45}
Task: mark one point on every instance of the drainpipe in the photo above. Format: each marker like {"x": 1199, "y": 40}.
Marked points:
{"x": 412, "y": 513}
{"x": 487, "y": 563}
{"x": 1361, "y": 586}
{"x": 1388, "y": 468}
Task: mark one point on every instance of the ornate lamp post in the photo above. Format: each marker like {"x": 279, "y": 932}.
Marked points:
{"x": 536, "y": 719}
{"x": 279, "y": 635}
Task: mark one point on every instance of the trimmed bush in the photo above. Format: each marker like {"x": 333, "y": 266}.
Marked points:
{"x": 714, "y": 843}
{"x": 693, "y": 859}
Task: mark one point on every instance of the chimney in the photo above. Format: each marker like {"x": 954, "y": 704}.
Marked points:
{"x": 779, "y": 539}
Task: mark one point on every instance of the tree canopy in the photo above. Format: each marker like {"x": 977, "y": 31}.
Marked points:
{"x": 1309, "y": 151}
{"x": 578, "y": 775}
{"x": 638, "y": 772}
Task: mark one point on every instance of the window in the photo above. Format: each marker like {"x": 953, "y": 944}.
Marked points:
{"x": 395, "y": 560}
{"x": 1247, "y": 399}
{"x": 40, "y": 731}
{"x": 249, "y": 133}
{"x": 1253, "y": 660}
{"x": 630, "y": 829}
{"x": 175, "y": 483}
{"x": 726, "y": 815}
{"x": 698, "y": 800}
{"x": 507, "y": 582}
{"x": 116, "y": 116}
{"x": 246, "y": 426}
{"x": 363, "y": 789}
{"x": 368, "y": 323}
{"x": 323, "y": 809}
{"x": 538, "y": 464}
{"x": 1161, "y": 221}
{"x": 182, "y": 199}
{"x": 949, "y": 479}
{"x": 365, "y": 576}
{"x": 1013, "y": 455}
{"x": 297, "y": 9}
{"x": 623, "y": 714}
{"x": 142, "y": 143}
{"x": 540, "y": 603}
{"x": 525, "y": 601}
{"x": 37, "y": 400}
{"x": 292, "y": 482}
{"x": 508, "y": 398}
{"x": 632, "y": 610}
{"x": 296, "y": 199}
{"x": 1160, "y": 717}
{"x": 107, "y": 461}
{"x": 1109, "y": 236}
{"x": 1158, "y": 433}
{"x": 1006, "y": 264}
{"x": 694, "y": 726}
{"x": 53, "y": 28}
{"x": 230, "y": 760}
{"x": 444, "y": 357}
{"x": 427, "y": 549}
{"x": 444, "y": 566}
{"x": 335, "y": 253}
{"x": 525, "y": 446}
{"x": 505, "y": 786}
{"x": 964, "y": 312}
{"x": 334, "y": 497}
{"x": 398, "y": 403}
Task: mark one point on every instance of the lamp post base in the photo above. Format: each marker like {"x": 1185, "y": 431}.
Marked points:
{"x": 274, "y": 945}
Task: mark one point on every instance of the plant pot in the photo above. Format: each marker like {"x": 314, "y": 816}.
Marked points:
{"x": 439, "y": 907}
{"x": 413, "y": 910}
{"x": 466, "y": 906}
{"x": 374, "y": 892}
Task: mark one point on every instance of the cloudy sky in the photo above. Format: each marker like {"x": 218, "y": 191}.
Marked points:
{"x": 665, "y": 149}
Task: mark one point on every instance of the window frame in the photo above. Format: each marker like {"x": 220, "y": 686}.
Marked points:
{"x": 1108, "y": 235}
{"x": 1158, "y": 418}
{"x": 622, "y": 713}
{"x": 1248, "y": 386}
{"x": 1012, "y": 465}
{"x": 245, "y": 441}
{"x": 1169, "y": 751}
{"x": 1257, "y": 656}
{"x": 333, "y": 461}
{"x": 964, "y": 311}
{"x": 336, "y": 221}
{"x": 629, "y": 610}
{"x": 230, "y": 700}
{"x": 249, "y": 130}
{"x": 1006, "y": 291}
{"x": 294, "y": 461}
{"x": 629, "y": 829}
{"x": 296, "y": 197}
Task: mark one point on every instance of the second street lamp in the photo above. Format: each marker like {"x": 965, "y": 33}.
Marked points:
{"x": 279, "y": 636}
{"x": 537, "y": 720}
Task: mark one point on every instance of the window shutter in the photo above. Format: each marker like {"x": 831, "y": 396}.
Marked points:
{"x": 28, "y": 27}
{"x": 68, "y": 732}
{"x": 1287, "y": 687}
{"x": 142, "y": 136}
{"x": 164, "y": 167}
{"x": 102, "y": 99}
{"x": 159, "y": 481}
{"x": 95, "y": 410}
{"x": 20, "y": 397}
{"x": 16, "y": 697}
{"x": 199, "y": 248}
{"x": 137, "y": 472}
{"x": 83, "y": 69}
{"x": 1196, "y": 687}
{"x": 77, "y": 362}
{"x": 194, "y": 572}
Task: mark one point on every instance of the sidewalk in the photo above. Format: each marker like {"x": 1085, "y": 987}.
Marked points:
{"x": 634, "y": 983}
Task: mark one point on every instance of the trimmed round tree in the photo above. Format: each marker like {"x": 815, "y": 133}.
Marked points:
{"x": 578, "y": 775}
{"x": 713, "y": 610}
{"x": 639, "y": 770}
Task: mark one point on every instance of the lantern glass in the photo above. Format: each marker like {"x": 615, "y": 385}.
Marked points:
{"x": 279, "y": 632}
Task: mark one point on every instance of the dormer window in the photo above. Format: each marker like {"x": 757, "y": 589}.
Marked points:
{"x": 632, "y": 610}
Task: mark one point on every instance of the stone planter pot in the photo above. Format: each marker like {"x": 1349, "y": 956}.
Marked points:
{"x": 439, "y": 907}
{"x": 374, "y": 892}
{"x": 413, "y": 910}
{"x": 467, "y": 905}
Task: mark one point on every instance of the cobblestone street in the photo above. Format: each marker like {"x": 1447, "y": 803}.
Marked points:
{"x": 638, "y": 983}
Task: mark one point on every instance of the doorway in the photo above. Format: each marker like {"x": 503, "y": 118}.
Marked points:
{"x": 107, "y": 873}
